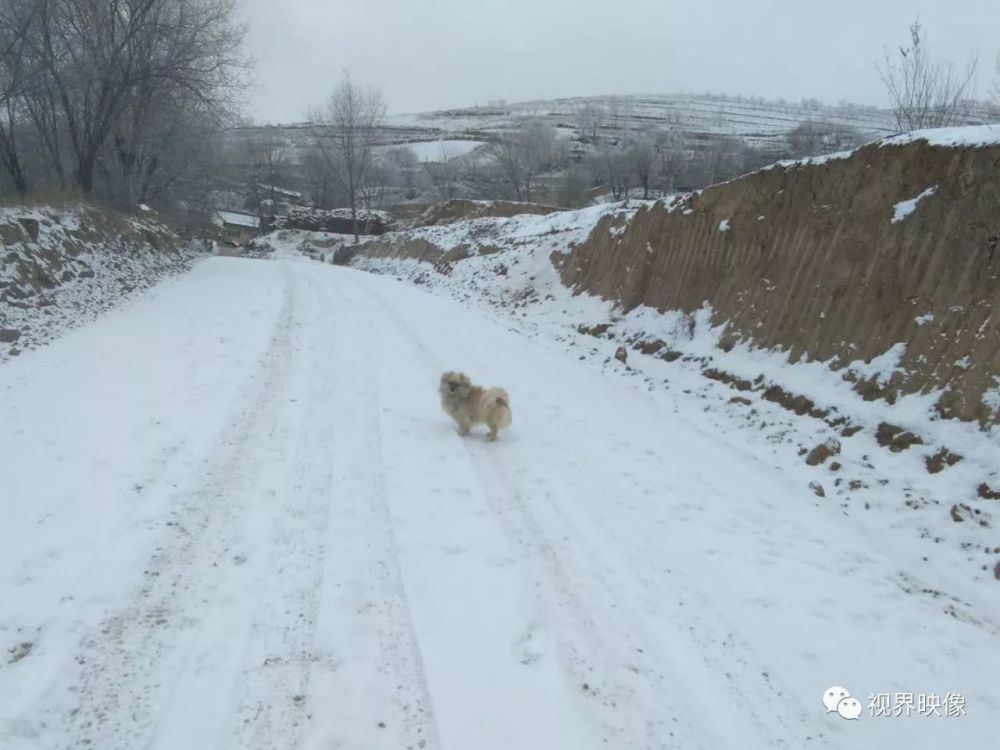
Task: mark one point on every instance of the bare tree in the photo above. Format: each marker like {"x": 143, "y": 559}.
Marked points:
{"x": 108, "y": 85}
{"x": 525, "y": 152}
{"x": 671, "y": 157}
{"x": 643, "y": 161}
{"x": 588, "y": 122}
{"x": 996, "y": 90}
{"x": 572, "y": 191}
{"x": 924, "y": 92}
{"x": 817, "y": 137}
{"x": 611, "y": 166}
{"x": 619, "y": 110}
{"x": 262, "y": 163}
{"x": 346, "y": 132}
{"x": 447, "y": 173}
{"x": 16, "y": 19}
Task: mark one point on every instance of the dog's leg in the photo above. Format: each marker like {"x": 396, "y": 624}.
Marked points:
{"x": 493, "y": 433}
{"x": 463, "y": 427}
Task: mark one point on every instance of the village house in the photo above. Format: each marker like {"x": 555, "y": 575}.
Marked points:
{"x": 238, "y": 228}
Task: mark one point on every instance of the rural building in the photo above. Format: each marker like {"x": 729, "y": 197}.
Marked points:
{"x": 236, "y": 227}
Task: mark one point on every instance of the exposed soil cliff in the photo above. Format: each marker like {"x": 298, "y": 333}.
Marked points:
{"x": 833, "y": 259}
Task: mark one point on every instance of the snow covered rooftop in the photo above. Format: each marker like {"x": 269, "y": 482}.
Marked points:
{"x": 281, "y": 191}
{"x": 238, "y": 219}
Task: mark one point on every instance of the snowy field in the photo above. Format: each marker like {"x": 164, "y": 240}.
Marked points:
{"x": 234, "y": 516}
{"x": 441, "y": 151}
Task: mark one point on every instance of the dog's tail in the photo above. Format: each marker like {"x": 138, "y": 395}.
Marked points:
{"x": 501, "y": 407}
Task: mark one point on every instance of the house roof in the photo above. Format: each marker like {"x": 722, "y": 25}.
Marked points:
{"x": 281, "y": 191}
{"x": 238, "y": 219}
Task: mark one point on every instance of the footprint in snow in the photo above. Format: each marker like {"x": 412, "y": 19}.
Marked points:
{"x": 533, "y": 646}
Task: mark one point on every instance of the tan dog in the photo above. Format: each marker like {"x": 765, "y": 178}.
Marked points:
{"x": 470, "y": 404}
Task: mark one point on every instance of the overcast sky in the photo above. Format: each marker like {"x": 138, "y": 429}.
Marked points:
{"x": 435, "y": 54}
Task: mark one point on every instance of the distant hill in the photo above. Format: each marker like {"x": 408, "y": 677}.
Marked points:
{"x": 759, "y": 123}
{"x": 713, "y": 137}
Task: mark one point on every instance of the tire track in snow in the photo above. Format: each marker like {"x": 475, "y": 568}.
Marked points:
{"x": 471, "y": 605}
{"x": 127, "y": 696}
{"x": 372, "y": 673}
{"x": 273, "y": 709}
{"x": 581, "y": 639}
{"x": 580, "y": 562}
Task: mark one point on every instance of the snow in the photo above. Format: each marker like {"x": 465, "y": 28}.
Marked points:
{"x": 904, "y": 208}
{"x": 237, "y": 219}
{"x": 965, "y": 136}
{"x": 760, "y": 123}
{"x": 971, "y": 135}
{"x": 92, "y": 272}
{"x": 235, "y": 516}
{"x": 554, "y": 232}
{"x": 295, "y": 194}
{"x": 442, "y": 150}
{"x": 292, "y": 244}
{"x": 922, "y": 320}
{"x": 992, "y": 397}
{"x": 724, "y": 225}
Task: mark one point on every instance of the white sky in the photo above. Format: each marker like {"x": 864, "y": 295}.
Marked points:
{"x": 435, "y": 54}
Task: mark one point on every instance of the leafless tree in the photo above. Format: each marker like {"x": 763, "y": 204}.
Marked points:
{"x": 346, "y": 132}
{"x": 671, "y": 157}
{"x": 412, "y": 177}
{"x": 16, "y": 73}
{"x": 588, "y": 122}
{"x": 447, "y": 173}
{"x": 317, "y": 177}
{"x": 109, "y": 85}
{"x": 383, "y": 178}
{"x": 816, "y": 137}
{"x": 524, "y": 152}
{"x": 573, "y": 188}
{"x": 643, "y": 161}
{"x": 996, "y": 90}
{"x": 925, "y": 92}
{"x": 262, "y": 163}
{"x": 619, "y": 113}
{"x": 611, "y": 167}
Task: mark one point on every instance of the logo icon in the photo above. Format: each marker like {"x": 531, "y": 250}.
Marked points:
{"x": 839, "y": 700}
{"x": 849, "y": 708}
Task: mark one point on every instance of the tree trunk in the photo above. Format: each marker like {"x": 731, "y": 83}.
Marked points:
{"x": 12, "y": 163}
{"x": 85, "y": 174}
{"x": 354, "y": 217}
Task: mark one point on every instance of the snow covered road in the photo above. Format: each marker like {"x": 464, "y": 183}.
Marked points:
{"x": 234, "y": 516}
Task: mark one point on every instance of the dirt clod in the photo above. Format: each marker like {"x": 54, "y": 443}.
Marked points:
{"x": 895, "y": 438}
{"x": 987, "y": 493}
{"x": 941, "y": 460}
{"x": 822, "y": 452}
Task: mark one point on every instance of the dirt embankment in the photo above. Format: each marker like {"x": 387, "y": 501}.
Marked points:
{"x": 62, "y": 266}
{"x": 808, "y": 258}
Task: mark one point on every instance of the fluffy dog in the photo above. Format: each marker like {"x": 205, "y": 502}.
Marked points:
{"x": 470, "y": 404}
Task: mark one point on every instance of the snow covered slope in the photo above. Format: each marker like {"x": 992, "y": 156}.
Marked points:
{"x": 62, "y": 266}
{"x": 249, "y": 525}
